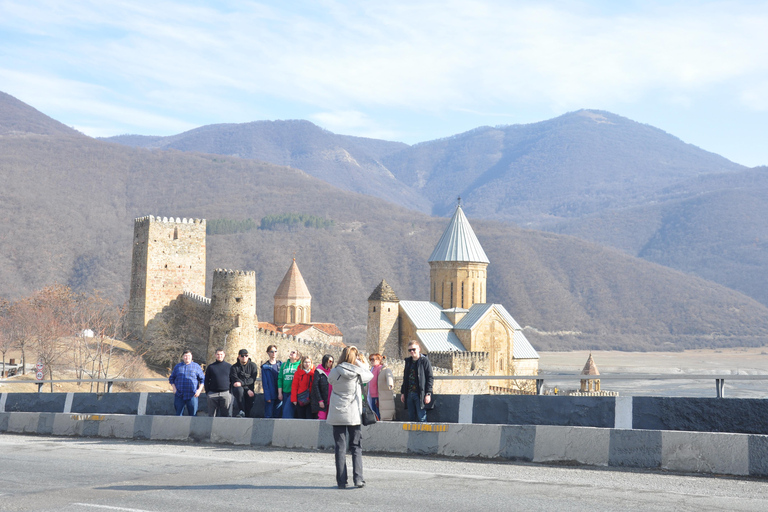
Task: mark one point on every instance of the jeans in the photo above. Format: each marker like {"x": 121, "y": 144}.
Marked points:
{"x": 415, "y": 412}
{"x": 218, "y": 404}
{"x": 179, "y": 403}
{"x": 273, "y": 408}
{"x": 355, "y": 434}
{"x": 242, "y": 400}
{"x": 375, "y": 407}
{"x": 288, "y": 407}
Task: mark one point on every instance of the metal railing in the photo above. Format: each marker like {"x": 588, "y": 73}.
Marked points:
{"x": 719, "y": 379}
{"x": 540, "y": 379}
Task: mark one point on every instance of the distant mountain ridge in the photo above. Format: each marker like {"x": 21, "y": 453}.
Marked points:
{"x": 16, "y": 117}
{"x": 589, "y": 173}
{"x": 69, "y": 203}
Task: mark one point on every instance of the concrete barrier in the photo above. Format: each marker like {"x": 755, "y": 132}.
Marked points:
{"x": 745, "y": 416}
{"x": 694, "y": 452}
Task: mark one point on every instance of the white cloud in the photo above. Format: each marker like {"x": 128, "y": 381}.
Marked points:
{"x": 342, "y": 58}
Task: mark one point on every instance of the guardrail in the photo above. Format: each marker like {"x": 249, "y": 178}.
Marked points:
{"x": 719, "y": 379}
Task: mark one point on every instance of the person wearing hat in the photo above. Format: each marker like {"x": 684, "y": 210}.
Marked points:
{"x": 242, "y": 376}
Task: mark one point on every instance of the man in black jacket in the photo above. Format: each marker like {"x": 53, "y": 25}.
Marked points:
{"x": 217, "y": 385}
{"x": 416, "y": 392}
{"x": 243, "y": 377}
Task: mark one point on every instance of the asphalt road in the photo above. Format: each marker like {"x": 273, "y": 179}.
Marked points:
{"x": 46, "y": 473}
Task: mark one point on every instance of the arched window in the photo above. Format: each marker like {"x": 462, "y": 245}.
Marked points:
{"x": 293, "y": 315}
{"x": 462, "y": 294}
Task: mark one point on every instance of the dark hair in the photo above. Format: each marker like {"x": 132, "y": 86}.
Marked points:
{"x": 326, "y": 357}
{"x": 269, "y": 347}
{"x": 220, "y": 350}
{"x": 186, "y": 351}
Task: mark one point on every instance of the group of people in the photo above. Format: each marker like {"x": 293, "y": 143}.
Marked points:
{"x": 298, "y": 389}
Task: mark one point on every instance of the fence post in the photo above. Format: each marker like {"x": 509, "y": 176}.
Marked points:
{"x": 109, "y": 386}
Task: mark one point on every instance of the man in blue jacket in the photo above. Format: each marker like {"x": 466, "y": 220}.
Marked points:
{"x": 187, "y": 381}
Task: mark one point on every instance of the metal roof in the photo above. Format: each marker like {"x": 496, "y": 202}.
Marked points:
{"x": 425, "y": 315}
{"x": 522, "y": 348}
{"x": 459, "y": 242}
{"x": 478, "y": 311}
{"x": 440, "y": 341}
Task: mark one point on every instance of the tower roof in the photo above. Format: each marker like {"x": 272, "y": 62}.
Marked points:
{"x": 293, "y": 286}
{"x": 384, "y": 292}
{"x": 459, "y": 242}
{"x": 590, "y": 368}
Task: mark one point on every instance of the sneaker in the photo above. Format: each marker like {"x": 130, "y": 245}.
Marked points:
{"x": 241, "y": 414}
{"x": 360, "y": 485}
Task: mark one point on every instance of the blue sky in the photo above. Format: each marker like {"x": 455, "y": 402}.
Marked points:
{"x": 399, "y": 70}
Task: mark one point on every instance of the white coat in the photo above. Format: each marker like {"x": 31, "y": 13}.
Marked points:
{"x": 346, "y": 405}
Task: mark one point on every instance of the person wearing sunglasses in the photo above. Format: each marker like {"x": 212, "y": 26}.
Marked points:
{"x": 285, "y": 382}
{"x": 270, "y": 369}
{"x": 416, "y": 391}
{"x": 243, "y": 375}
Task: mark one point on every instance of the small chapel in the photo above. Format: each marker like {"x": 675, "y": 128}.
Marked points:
{"x": 457, "y": 329}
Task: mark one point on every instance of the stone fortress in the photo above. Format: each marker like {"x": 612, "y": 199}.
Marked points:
{"x": 457, "y": 329}
{"x": 461, "y": 333}
{"x": 167, "y": 299}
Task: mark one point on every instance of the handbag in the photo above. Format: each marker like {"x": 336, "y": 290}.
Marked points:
{"x": 303, "y": 398}
{"x": 368, "y": 417}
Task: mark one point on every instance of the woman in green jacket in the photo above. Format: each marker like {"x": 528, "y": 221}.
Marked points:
{"x": 285, "y": 381}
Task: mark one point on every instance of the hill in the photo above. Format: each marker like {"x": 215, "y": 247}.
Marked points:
{"x": 591, "y": 174}
{"x": 349, "y": 163}
{"x": 67, "y": 216}
{"x": 18, "y": 118}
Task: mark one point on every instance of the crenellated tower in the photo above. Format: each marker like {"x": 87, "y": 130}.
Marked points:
{"x": 383, "y": 322}
{"x": 233, "y": 313}
{"x": 457, "y": 266}
{"x": 293, "y": 302}
{"x": 168, "y": 259}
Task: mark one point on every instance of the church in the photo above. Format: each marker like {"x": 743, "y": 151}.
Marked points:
{"x": 458, "y": 330}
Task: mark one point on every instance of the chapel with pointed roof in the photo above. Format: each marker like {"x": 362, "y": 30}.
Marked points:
{"x": 456, "y": 328}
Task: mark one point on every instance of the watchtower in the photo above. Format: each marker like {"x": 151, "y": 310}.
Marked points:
{"x": 168, "y": 259}
{"x": 383, "y": 322}
{"x": 233, "y": 313}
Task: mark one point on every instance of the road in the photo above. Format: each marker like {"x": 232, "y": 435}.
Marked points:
{"x": 64, "y": 474}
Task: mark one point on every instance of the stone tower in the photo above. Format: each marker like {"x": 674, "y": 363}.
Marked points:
{"x": 168, "y": 259}
{"x": 293, "y": 303}
{"x": 233, "y": 313}
{"x": 457, "y": 266}
{"x": 383, "y": 322}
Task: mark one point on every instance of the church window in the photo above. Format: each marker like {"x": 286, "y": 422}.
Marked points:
{"x": 462, "y": 294}
{"x": 473, "y": 292}
{"x": 442, "y": 293}
{"x": 374, "y": 309}
{"x": 451, "y": 303}
{"x": 293, "y": 316}
{"x": 237, "y": 321}
{"x": 175, "y": 233}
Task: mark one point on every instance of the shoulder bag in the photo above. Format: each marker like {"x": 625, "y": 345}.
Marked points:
{"x": 368, "y": 417}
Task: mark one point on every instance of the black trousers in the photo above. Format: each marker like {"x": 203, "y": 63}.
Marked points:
{"x": 242, "y": 400}
{"x": 355, "y": 435}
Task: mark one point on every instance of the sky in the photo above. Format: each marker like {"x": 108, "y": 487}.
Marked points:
{"x": 409, "y": 71}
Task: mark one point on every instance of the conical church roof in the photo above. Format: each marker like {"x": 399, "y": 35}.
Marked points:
{"x": 590, "y": 368}
{"x": 293, "y": 285}
{"x": 459, "y": 242}
{"x": 384, "y": 292}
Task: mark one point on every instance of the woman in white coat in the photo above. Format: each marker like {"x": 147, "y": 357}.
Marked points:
{"x": 344, "y": 412}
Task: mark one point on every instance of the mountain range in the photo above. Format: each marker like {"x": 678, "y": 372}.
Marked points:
{"x": 68, "y": 204}
{"x": 591, "y": 174}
